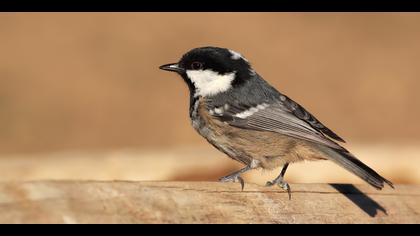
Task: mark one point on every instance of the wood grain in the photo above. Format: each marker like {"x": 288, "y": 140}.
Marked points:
{"x": 203, "y": 202}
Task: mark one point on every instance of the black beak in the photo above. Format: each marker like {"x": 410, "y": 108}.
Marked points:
{"x": 172, "y": 67}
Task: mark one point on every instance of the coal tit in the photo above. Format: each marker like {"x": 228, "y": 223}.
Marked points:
{"x": 242, "y": 115}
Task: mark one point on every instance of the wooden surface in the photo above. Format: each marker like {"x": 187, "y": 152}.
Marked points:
{"x": 203, "y": 202}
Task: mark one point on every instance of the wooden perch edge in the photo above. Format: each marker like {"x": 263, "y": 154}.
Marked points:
{"x": 203, "y": 202}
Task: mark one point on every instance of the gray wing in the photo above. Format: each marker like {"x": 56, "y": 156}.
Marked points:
{"x": 284, "y": 117}
{"x": 278, "y": 114}
{"x": 304, "y": 115}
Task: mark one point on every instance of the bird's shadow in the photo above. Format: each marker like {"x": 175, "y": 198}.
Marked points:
{"x": 360, "y": 199}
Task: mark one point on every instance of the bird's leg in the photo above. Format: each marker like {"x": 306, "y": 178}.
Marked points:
{"x": 236, "y": 176}
{"x": 280, "y": 181}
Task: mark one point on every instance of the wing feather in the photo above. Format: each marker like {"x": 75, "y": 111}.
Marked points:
{"x": 276, "y": 117}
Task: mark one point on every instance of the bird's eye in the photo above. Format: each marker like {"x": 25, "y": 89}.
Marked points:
{"x": 196, "y": 65}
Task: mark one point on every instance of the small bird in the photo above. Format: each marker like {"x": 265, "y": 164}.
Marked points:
{"x": 243, "y": 116}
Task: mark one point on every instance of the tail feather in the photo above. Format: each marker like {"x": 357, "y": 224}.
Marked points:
{"x": 346, "y": 160}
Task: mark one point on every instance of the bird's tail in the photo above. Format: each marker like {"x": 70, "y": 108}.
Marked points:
{"x": 346, "y": 160}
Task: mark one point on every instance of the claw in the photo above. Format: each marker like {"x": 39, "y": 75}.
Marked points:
{"x": 234, "y": 178}
{"x": 285, "y": 186}
{"x": 280, "y": 182}
{"x": 241, "y": 181}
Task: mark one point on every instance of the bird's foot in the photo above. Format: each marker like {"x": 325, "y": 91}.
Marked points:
{"x": 282, "y": 184}
{"x": 234, "y": 178}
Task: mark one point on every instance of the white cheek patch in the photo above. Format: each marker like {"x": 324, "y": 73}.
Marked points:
{"x": 208, "y": 82}
{"x": 251, "y": 111}
{"x": 236, "y": 55}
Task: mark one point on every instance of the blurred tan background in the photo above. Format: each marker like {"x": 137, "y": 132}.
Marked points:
{"x": 81, "y": 96}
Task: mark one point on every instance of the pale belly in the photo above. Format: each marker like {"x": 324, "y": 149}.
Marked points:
{"x": 264, "y": 149}
{"x": 258, "y": 148}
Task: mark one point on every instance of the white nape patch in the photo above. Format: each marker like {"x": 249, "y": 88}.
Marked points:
{"x": 208, "y": 82}
{"x": 251, "y": 111}
{"x": 236, "y": 55}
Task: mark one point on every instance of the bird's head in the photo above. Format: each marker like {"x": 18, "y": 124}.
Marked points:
{"x": 209, "y": 71}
